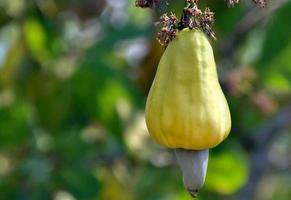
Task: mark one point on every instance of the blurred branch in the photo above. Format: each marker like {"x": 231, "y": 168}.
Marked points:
{"x": 252, "y": 17}
{"x": 259, "y": 156}
{"x": 272, "y": 129}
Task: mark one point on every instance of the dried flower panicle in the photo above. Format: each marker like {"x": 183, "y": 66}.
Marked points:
{"x": 168, "y": 21}
{"x": 231, "y": 3}
{"x": 207, "y": 22}
{"x": 260, "y": 3}
{"x": 169, "y": 29}
{"x": 146, "y": 3}
{"x": 192, "y": 17}
{"x": 165, "y": 36}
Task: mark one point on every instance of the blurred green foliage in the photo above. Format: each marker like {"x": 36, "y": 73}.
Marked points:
{"x": 72, "y": 102}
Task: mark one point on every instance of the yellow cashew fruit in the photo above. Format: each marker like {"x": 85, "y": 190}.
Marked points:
{"x": 186, "y": 107}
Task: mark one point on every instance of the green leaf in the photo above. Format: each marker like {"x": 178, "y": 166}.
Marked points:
{"x": 13, "y": 125}
{"x": 80, "y": 182}
{"x": 274, "y": 62}
{"x": 227, "y": 170}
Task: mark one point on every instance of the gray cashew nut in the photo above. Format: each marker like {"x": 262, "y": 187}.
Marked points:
{"x": 193, "y": 164}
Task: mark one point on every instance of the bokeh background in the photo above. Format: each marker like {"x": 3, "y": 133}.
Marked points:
{"x": 74, "y": 76}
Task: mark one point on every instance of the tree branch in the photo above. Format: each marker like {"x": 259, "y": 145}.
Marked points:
{"x": 252, "y": 18}
{"x": 259, "y": 157}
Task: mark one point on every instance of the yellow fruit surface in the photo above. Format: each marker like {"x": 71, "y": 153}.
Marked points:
{"x": 186, "y": 107}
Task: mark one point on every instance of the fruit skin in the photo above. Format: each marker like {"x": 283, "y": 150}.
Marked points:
{"x": 186, "y": 107}
{"x": 193, "y": 164}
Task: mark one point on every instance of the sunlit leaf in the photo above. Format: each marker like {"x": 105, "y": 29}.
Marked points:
{"x": 227, "y": 170}
{"x": 36, "y": 39}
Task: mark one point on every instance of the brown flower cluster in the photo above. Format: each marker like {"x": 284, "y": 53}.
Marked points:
{"x": 192, "y": 17}
{"x": 231, "y": 3}
{"x": 260, "y": 3}
{"x": 146, "y": 3}
{"x": 169, "y": 29}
